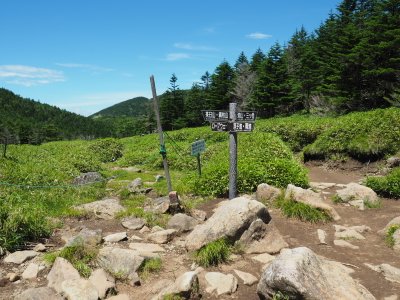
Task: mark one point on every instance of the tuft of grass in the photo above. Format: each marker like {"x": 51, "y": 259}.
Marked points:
{"x": 301, "y": 211}
{"x": 172, "y": 297}
{"x": 389, "y": 235}
{"x": 78, "y": 255}
{"x": 336, "y": 199}
{"x": 149, "y": 266}
{"x": 213, "y": 253}
{"x": 370, "y": 204}
{"x": 280, "y": 296}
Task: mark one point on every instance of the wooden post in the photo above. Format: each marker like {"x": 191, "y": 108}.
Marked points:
{"x": 232, "y": 153}
{"x": 163, "y": 152}
{"x": 199, "y": 164}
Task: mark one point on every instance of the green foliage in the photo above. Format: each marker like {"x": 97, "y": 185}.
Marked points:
{"x": 213, "y": 253}
{"x": 280, "y": 296}
{"x": 151, "y": 265}
{"x": 108, "y": 150}
{"x": 172, "y": 297}
{"x": 78, "y": 255}
{"x": 363, "y": 136}
{"x": 389, "y": 235}
{"x": 301, "y": 211}
{"x": 388, "y": 186}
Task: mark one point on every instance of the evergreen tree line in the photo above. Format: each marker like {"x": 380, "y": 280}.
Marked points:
{"x": 350, "y": 63}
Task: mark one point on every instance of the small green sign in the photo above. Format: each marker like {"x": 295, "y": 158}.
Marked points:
{"x": 198, "y": 147}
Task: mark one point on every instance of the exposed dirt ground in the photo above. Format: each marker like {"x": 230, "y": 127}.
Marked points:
{"x": 372, "y": 250}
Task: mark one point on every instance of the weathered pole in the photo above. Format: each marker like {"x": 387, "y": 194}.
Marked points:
{"x": 163, "y": 151}
{"x": 232, "y": 153}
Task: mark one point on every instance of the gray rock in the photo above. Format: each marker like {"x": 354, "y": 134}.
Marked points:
{"x": 41, "y": 293}
{"x": 62, "y": 270}
{"x": 185, "y": 286}
{"x": 133, "y": 223}
{"x": 220, "y": 283}
{"x": 395, "y": 221}
{"x": 310, "y": 198}
{"x": 354, "y": 191}
{"x": 13, "y": 277}
{"x": 199, "y": 215}
{"x": 144, "y": 249}
{"x": 392, "y": 297}
{"x": 182, "y": 223}
{"x": 156, "y": 228}
{"x": 159, "y": 205}
{"x": 135, "y": 185}
{"x": 31, "y": 271}
{"x": 79, "y": 289}
{"x": 88, "y": 177}
{"x": 321, "y": 185}
{"x": 145, "y": 229}
{"x": 353, "y": 232}
{"x": 159, "y": 178}
{"x": 119, "y": 262}
{"x": 229, "y": 220}
{"x": 342, "y": 243}
{"x": 393, "y": 162}
{"x": 20, "y": 257}
{"x": 119, "y": 297}
{"x": 321, "y": 236}
{"x": 263, "y": 258}
{"x": 267, "y": 193}
{"x": 261, "y": 238}
{"x": 358, "y": 203}
{"x": 248, "y": 279}
{"x": 86, "y": 237}
{"x": 396, "y": 239}
{"x": 163, "y": 236}
{"x": 300, "y": 274}
{"x": 103, "y": 209}
{"x": 40, "y": 248}
{"x": 391, "y": 273}
{"x": 116, "y": 237}
{"x": 102, "y": 282}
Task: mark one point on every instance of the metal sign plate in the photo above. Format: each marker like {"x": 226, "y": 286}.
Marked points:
{"x": 248, "y": 116}
{"x": 220, "y": 126}
{"x": 198, "y": 147}
{"x": 215, "y": 115}
{"x": 241, "y": 126}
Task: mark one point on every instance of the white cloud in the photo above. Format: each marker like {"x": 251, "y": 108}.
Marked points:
{"x": 188, "y": 46}
{"x": 258, "y": 36}
{"x": 87, "y": 67}
{"x": 177, "y": 56}
{"x": 29, "y": 76}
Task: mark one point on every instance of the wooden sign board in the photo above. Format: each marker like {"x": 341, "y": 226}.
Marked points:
{"x": 248, "y": 116}
{"x": 198, "y": 147}
{"x": 215, "y": 115}
{"x": 219, "y": 126}
{"x": 241, "y": 126}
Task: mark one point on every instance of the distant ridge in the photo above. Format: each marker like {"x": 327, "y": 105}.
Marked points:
{"x": 135, "y": 107}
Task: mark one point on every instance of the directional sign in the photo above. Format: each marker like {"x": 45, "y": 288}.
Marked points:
{"x": 215, "y": 115}
{"x": 241, "y": 126}
{"x": 198, "y": 147}
{"x": 249, "y": 116}
{"x": 219, "y": 126}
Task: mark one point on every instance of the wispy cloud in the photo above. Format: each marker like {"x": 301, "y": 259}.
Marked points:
{"x": 258, "y": 36}
{"x": 29, "y": 76}
{"x": 177, "y": 56}
{"x": 86, "y": 67}
{"x": 209, "y": 30}
{"x": 188, "y": 46}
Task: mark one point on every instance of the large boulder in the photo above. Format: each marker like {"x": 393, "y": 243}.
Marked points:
{"x": 62, "y": 270}
{"x": 300, "y": 274}
{"x": 267, "y": 193}
{"x": 356, "y": 192}
{"x": 230, "y": 220}
{"x": 310, "y": 198}
{"x": 103, "y": 209}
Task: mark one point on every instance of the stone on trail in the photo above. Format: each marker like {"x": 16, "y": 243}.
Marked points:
{"x": 395, "y": 221}
{"x": 145, "y": 248}
{"x": 321, "y": 236}
{"x": 182, "y": 223}
{"x": 342, "y": 243}
{"x": 86, "y": 237}
{"x": 40, "y": 248}
{"x": 358, "y": 203}
{"x": 162, "y": 236}
{"x": 267, "y": 193}
{"x": 103, "y": 209}
{"x": 31, "y": 271}
{"x": 116, "y": 237}
{"x": 300, "y": 274}
{"x": 229, "y": 220}
{"x": 102, "y": 282}
{"x": 119, "y": 261}
{"x": 248, "y": 279}
{"x": 119, "y": 297}
{"x": 354, "y": 191}
{"x": 133, "y": 223}
{"x": 40, "y": 293}
{"x": 185, "y": 286}
{"x": 391, "y": 273}
{"x": 310, "y": 198}
{"x": 393, "y": 162}
{"x": 79, "y": 289}
{"x": 220, "y": 283}
{"x": 135, "y": 185}
{"x": 199, "y": 215}
{"x": 353, "y": 232}
{"x": 62, "y": 270}
{"x": 86, "y": 178}
{"x": 19, "y": 257}
{"x": 159, "y": 205}
{"x": 263, "y": 258}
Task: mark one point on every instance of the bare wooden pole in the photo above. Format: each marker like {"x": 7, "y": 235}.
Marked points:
{"x": 232, "y": 153}
{"x": 163, "y": 151}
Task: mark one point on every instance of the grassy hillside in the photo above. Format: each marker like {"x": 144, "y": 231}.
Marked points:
{"x": 136, "y": 107}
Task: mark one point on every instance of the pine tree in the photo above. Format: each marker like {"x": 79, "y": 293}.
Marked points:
{"x": 256, "y": 60}
{"x": 222, "y": 82}
{"x": 242, "y": 60}
{"x": 172, "y": 107}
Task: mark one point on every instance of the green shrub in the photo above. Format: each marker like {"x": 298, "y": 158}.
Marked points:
{"x": 362, "y": 135}
{"x": 387, "y": 186}
{"x": 107, "y": 150}
{"x": 213, "y": 253}
{"x": 389, "y": 235}
{"x": 301, "y": 211}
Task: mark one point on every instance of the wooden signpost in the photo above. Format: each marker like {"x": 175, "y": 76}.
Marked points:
{"x": 232, "y": 121}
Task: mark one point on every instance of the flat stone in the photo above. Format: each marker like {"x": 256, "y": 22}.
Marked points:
{"x": 342, "y": 243}
{"x": 353, "y": 232}
{"x": 267, "y": 193}
{"x": 119, "y": 297}
{"x": 163, "y": 236}
{"x": 146, "y": 248}
{"x": 145, "y": 229}
{"x": 86, "y": 178}
{"x": 321, "y": 236}
{"x": 61, "y": 271}
{"x": 40, "y": 293}
{"x": 20, "y": 257}
{"x": 78, "y": 289}
{"x": 220, "y": 283}
{"x": 156, "y": 228}
{"x": 358, "y": 203}
{"x": 31, "y": 271}
{"x": 133, "y": 223}
{"x": 354, "y": 191}
{"x": 185, "y": 286}
{"x": 391, "y": 273}
{"x": 198, "y": 214}
{"x": 263, "y": 258}
{"x": 86, "y": 237}
{"x": 248, "y": 279}
{"x": 182, "y": 223}
{"x": 103, "y": 209}
{"x": 116, "y": 237}
{"x": 40, "y": 248}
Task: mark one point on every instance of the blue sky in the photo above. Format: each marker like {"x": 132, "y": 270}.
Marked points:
{"x": 87, "y": 55}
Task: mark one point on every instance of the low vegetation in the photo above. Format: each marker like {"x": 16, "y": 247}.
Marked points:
{"x": 389, "y": 235}
{"x": 151, "y": 265}
{"x": 213, "y": 253}
{"x": 387, "y": 186}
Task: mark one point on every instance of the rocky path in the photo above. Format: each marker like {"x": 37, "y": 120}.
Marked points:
{"x": 352, "y": 240}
